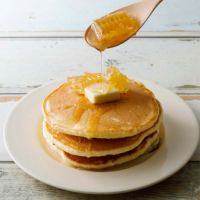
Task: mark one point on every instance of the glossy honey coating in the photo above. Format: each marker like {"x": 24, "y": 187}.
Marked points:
{"x": 114, "y": 28}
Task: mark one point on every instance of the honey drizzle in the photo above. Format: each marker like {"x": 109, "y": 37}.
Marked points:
{"x": 80, "y": 108}
{"x": 94, "y": 119}
{"x": 101, "y": 54}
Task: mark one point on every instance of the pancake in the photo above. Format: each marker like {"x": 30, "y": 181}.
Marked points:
{"x": 149, "y": 143}
{"x": 95, "y": 147}
{"x": 68, "y": 112}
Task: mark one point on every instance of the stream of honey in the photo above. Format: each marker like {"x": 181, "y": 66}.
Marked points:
{"x": 101, "y": 54}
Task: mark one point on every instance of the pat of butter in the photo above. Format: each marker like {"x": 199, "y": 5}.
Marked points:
{"x": 101, "y": 93}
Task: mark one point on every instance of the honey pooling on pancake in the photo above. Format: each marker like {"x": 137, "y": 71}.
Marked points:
{"x": 114, "y": 28}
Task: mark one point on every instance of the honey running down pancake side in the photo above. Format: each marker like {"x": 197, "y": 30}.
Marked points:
{"x": 95, "y": 147}
{"x": 149, "y": 143}
{"x": 71, "y": 113}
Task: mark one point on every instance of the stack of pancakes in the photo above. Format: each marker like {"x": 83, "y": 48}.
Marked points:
{"x": 99, "y": 136}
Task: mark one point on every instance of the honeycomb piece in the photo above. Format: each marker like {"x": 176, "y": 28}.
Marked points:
{"x": 114, "y": 28}
{"x": 117, "y": 79}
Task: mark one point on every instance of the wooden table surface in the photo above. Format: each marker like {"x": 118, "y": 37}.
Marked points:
{"x": 42, "y": 41}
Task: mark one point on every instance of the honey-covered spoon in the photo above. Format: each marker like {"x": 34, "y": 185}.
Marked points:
{"x": 118, "y": 26}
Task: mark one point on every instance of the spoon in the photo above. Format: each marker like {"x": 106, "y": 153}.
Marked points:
{"x": 140, "y": 11}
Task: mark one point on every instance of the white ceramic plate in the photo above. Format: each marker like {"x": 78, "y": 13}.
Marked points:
{"x": 181, "y": 139}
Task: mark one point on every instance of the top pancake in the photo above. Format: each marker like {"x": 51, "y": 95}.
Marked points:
{"x": 69, "y": 112}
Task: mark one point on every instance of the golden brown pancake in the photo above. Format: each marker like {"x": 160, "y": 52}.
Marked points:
{"x": 149, "y": 143}
{"x": 95, "y": 147}
{"x": 71, "y": 113}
